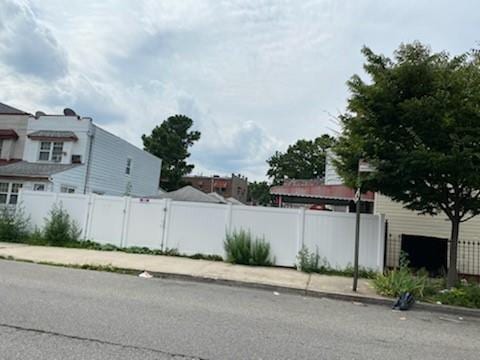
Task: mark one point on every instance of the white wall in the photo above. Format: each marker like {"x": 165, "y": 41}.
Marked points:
{"x": 19, "y": 124}
{"x": 80, "y": 127}
{"x": 109, "y": 160}
{"x": 200, "y": 228}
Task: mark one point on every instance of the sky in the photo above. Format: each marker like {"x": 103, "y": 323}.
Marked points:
{"x": 254, "y": 75}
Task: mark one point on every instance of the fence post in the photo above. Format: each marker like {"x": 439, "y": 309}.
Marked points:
{"x": 93, "y": 197}
{"x": 381, "y": 242}
{"x": 166, "y": 224}
{"x": 126, "y": 217}
{"x": 228, "y": 220}
{"x": 88, "y": 198}
{"x": 301, "y": 230}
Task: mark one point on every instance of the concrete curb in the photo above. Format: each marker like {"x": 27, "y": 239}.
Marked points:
{"x": 443, "y": 309}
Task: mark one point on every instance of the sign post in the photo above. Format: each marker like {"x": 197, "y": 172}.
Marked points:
{"x": 363, "y": 167}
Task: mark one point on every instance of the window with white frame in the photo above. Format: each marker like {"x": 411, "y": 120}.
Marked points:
{"x": 38, "y": 187}
{"x": 128, "y": 168}
{"x": 51, "y": 151}
{"x": 67, "y": 189}
{"x": 4, "y": 189}
{"x": 9, "y": 193}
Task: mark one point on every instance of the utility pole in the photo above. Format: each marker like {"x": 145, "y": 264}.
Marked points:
{"x": 358, "y": 198}
{"x": 363, "y": 167}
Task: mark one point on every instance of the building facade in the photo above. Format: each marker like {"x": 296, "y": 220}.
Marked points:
{"x": 235, "y": 186}
{"x": 69, "y": 153}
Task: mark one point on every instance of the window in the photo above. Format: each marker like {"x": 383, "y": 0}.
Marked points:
{"x": 38, "y": 187}
{"x": 128, "y": 168}
{"x": 4, "y": 192}
{"x": 14, "y": 193}
{"x": 9, "y": 192}
{"x": 76, "y": 159}
{"x": 1, "y": 147}
{"x": 67, "y": 189}
{"x": 51, "y": 151}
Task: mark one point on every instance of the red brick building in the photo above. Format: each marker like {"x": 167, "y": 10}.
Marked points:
{"x": 235, "y": 186}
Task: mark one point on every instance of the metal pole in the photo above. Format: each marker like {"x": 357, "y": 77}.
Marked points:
{"x": 357, "y": 239}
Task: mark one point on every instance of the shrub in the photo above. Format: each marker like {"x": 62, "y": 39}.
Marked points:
{"x": 60, "y": 229}
{"x": 241, "y": 249}
{"x": 464, "y": 295}
{"x": 13, "y": 225}
{"x": 311, "y": 262}
{"x": 395, "y": 282}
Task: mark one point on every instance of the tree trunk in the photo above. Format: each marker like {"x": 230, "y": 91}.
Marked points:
{"x": 452, "y": 278}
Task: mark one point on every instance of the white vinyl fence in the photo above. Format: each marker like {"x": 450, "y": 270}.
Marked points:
{"x": 200, "y": 228}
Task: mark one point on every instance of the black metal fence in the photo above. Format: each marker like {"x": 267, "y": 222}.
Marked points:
{"x": 468, "y": 255}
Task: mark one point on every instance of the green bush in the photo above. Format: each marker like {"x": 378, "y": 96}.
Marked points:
{"x": 464, "y": 295}
{"x": 242, "y": 249}
{"x": 13, "y": 225}
{"x": 60, "y": 229}
{"x": 310, "y": 262}
{"x": 395, "y": 282}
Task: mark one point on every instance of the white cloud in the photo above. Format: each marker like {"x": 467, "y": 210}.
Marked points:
{"x": 254, "y": 75}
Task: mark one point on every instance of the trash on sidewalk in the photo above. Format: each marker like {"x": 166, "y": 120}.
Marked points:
{"x": 404, "y": 302}
{"x": 145, "y": 275}
{"x": 358, "y": 303}
{"x": 276, "y": 293}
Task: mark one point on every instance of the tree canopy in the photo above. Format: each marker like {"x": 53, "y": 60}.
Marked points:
{"x": 170, "y": 142}
{"x": 303, "y": 160}
{"x": 417, "y": 120}
{"x": 259, "y": 193}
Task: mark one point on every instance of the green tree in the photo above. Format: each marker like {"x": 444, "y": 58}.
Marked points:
{"x": 418, "y": 121}
{"x": 170, "y": 142}
{"x": 259, "y": 193}
{"x": 303, "y": 160}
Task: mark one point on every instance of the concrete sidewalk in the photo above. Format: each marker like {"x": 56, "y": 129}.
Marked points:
{"x": 272, "y": 277}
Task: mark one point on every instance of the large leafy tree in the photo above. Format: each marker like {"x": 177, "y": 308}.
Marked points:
{"x": 303, "y": 160}
{"x": 417, "y": 120}
{"x": 259, "y": 193}
{"x": 170, "y": 142}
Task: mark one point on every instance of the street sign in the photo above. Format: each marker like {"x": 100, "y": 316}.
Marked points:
{"x": 365, "y": 167}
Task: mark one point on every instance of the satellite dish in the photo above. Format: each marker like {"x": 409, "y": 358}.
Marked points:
{"x": 39, "y": 113}
{"x": 69, "y": 112}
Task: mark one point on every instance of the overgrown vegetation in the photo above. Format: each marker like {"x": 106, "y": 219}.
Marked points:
{"x": 60, "y": 228}
{"x": 241, "y": 248}
{"x": 312, "y": 262}
{"x": 466, "y": 295}
{"x": 13, "y": 225}
{"x": 395, "y": 282}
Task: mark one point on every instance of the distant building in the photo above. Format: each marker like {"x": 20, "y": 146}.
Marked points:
{"x": 235, "y": 186}
{"x": 69, "y": 153}
{"x": 316, "y": 195}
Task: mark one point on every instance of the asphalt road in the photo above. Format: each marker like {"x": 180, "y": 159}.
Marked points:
{"x": 56, "y": 313}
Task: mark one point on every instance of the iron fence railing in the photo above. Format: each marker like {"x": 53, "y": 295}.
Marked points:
{"x": 468, "y": 255}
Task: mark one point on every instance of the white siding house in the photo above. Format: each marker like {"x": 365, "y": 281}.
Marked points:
{"x": 68, "y": 153}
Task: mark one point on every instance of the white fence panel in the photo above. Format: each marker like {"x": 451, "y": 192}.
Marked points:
{"x": 145, "y": 223}
{"x": 279, "y": 227}
{"x": 333, "y": 234}
{"x": 38, "y": 204}
{"x": 196, "y": 228}
{"x": 106, "y": 220}
{"x": 200, "y": 228}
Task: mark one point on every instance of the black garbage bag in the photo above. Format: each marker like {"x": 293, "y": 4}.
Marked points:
{"x": 404, "y": 301}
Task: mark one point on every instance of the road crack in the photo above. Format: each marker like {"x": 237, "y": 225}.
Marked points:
{"x": 102, "y": 342}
